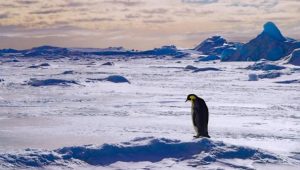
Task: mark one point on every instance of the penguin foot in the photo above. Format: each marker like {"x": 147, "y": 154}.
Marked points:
{"x": 201, "y": 136}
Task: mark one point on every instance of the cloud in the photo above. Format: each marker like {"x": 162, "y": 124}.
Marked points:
{"x": 124, "y": 2}
{"x": 132, "y": 16}
{"x": 192, "y": 11}
{"x": 8, "y": 5}
{"x": 255, "y": 3}
{"x": 230, "y": 20}
{"x": 77, "y": 4}
{"x": 49, "y": 11}
{"x": 155, "y": 11}
{"x": 200, "y": 1}
{"x": 4, "y": 16}
{"x": 26, "y": 2}
{"x": 149, "y": 18}
{"x": 93, "y": 19}
{"x": 158, "y": 21}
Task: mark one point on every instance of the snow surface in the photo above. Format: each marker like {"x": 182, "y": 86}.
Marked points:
{"x": 146, "y": 124}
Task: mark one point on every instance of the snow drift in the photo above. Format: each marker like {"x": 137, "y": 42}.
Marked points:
{"x": 142, "y": 149}
{"x": 112, "y": 78}
{"x": 50, "y": 82}
{"x": 265, "y": 66}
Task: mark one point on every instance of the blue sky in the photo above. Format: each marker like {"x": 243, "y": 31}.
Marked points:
{"x": 139, "y": 24}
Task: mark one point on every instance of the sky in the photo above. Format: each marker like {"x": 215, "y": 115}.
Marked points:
{"x": 140, "y": 24}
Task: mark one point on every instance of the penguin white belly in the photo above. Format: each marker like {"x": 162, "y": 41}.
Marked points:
{"x": 192, "y": 113}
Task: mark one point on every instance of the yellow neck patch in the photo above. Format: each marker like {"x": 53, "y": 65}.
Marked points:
{"x": 192, "y": 97}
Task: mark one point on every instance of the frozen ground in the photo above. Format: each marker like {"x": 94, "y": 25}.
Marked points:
{"x": 74, "y": 122}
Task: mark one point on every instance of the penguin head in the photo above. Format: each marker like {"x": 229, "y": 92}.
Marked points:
{"x": 191, "y": 97}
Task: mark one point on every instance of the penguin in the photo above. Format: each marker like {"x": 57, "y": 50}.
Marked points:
{"x": 199, "y": 115}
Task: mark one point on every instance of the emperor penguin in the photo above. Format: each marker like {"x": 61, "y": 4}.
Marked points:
{"x": 199, "y": 115}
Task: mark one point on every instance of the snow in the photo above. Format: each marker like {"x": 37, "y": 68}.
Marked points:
{"x": 146, "y": 124}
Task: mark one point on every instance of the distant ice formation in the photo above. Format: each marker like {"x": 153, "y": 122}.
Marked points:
{"x": 270, "y": 45}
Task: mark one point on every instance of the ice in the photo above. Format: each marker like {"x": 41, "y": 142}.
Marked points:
{"x": 270, "y": 44}
{"x": 271, "y": 29}
{"x": 294, "y": 58}
{"x": 214, "y": 46}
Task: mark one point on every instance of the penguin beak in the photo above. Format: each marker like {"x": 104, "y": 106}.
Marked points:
{"x": 186, "y": 100}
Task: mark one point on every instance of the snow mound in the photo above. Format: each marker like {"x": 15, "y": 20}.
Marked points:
{"x": 40, "y": 65}
{"x": 108, "y": 64}
{"x": 288, "y": 82}
{"x": 112, "y": 78}
{"x": 265, "y": 66}
{"x": 204, "y": 151}
{"x": 190, "y": 67}
{"x": 117, "y": 79}
{"x": 270, "y": 75}
{"x": 50, "y": 82}
{"x": 206, "y": 69}
{"x": 12, "y": 61}
{"x": 68, "y": 72}
{"x": 253, "y": 77}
